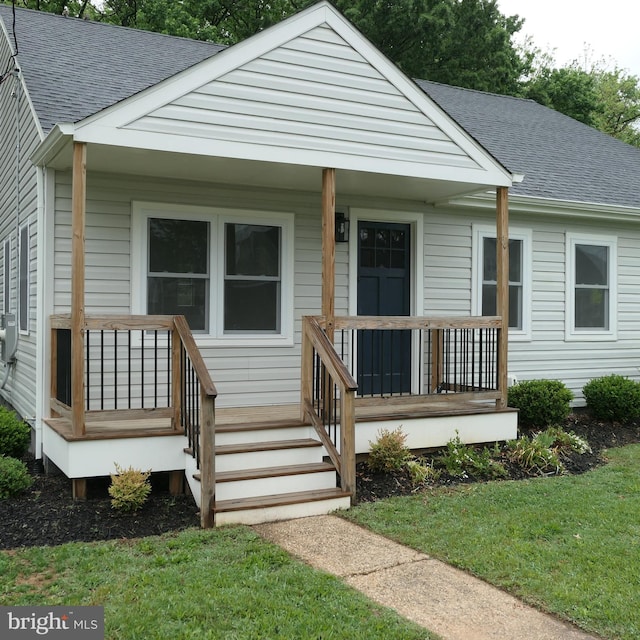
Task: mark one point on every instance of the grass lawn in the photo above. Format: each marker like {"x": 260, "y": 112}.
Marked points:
{"x": 570, "y": 545}
{"x": 225, "y": 584}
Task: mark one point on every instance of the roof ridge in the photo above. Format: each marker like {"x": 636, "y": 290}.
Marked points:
{"x": 469, "y": 90}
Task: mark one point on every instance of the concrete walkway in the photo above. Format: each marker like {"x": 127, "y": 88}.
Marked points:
{"x": 448, "y": 602}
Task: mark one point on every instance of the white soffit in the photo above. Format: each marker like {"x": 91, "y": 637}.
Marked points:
{"x": 309, "y": 91}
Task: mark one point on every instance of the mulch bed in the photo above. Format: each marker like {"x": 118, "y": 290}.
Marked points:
{"x": 46, "y": 514}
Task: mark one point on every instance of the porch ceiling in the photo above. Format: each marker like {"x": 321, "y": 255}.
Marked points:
{"x": 276, "y": 175}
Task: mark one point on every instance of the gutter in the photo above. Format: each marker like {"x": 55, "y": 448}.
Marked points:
{"x": 53, "y": 144}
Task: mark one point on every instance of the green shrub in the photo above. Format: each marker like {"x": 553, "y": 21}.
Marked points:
{"x": 129, "y": 488}
{"x": 389, "y": 452}
{"x": 535, "y": 455}
{"x": 613, "y": 397}
{"x": 14, "y": 477}
{"x": 421, "y": 472}
{"x": 461, "y": 461}
{"x": 15, "y": 435}
{"x": 540, "y": 402}
{"x": 565, "y": 442}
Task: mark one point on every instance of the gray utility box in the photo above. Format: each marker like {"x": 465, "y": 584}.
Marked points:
{"x": 9, "y": 328}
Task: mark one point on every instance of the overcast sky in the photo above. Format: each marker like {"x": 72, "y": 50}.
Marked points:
{"x": 611, "y": 28}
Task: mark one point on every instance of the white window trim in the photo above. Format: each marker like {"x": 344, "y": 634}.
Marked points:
{"x": 217, "y": 217}
{"x": 481, "y": 231}
{"x": 26, "y": 289}
{"x": 591, "y": 335}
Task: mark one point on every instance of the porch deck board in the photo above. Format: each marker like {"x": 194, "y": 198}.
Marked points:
{"x": 265, "y": 416}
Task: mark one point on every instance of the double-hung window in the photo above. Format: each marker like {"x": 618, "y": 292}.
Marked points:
{"x": 230, "y": 273}
{"x": 485, "y": 281}
{"x": 591, "y": 287}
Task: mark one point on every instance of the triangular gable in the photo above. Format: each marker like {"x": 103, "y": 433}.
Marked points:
{"x": 311, "y": 91}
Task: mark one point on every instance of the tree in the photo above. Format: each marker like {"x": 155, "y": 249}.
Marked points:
{"x": 604, "y": 98}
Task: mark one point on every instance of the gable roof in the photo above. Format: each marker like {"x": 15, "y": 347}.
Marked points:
{"x": 84, "y": 67}
{"x": 81, "y": 67}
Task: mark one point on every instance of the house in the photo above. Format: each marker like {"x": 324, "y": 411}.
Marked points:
{"x": 236, "y": 265}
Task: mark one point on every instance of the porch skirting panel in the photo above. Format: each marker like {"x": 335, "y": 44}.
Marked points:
{"x": 93, "y": 458}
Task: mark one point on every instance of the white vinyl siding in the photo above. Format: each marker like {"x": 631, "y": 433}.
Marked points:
{"x": 592, "y": 309}
{"x": 313, "y": 94}
{"x": 24, "y": 294}
{"x": 6, "y": 276}
{"x": 520, "y": 278}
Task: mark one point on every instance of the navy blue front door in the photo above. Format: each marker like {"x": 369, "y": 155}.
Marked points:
{"x": 384, "y": 278}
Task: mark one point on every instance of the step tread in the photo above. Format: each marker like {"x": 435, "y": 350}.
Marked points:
{"x": 260, "y": 426}
{"x": 298, "y": 497}
{"x": 272, "y": 472}
{"x": 271, "y": 445}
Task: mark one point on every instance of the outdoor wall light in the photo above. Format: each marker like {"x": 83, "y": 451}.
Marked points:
{"x": 342, "y": 227}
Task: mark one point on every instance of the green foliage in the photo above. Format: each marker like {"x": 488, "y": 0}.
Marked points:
{"x": 421, "y": 472}
{"x": 566, "y": 442}
{"x": 389, "y": 452}
{"x": 15, "y": 435}
{"x": 129, "y": 488}
{"x": 14, "y": 477}
{"x": 613, "y": 397}
{"x": 461, "y": 461}
{"x": 540, "y": 402}
{"x": 535, "y": 455}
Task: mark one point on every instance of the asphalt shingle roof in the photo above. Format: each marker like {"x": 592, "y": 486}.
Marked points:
{"x": 75, "y": 68}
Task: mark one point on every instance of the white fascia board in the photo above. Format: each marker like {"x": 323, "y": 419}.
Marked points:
{"x": 55, "y": 141}
{"x": 269, "y": 153}
{"x": 234, "y": 57}
{"x": 551, "y": 207}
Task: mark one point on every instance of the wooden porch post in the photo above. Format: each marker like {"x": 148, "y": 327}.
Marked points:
{"x": 502, "y": 304}
{"x": 78, "y": 212}
{"x": 328, "y": 249}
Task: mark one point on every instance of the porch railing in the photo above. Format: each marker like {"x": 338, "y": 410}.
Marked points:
{"x": 327, "y": 400}
{"x": 138, "y": 367}
{"x": 403, "y": 357}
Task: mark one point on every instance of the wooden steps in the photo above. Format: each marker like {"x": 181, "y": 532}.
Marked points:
{"x": 271, "y": 471}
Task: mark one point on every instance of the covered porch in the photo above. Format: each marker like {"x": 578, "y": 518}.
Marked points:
{"x": 136, "y": 389}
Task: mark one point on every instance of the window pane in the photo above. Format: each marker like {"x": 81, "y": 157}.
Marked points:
{"x": 592, "y": 309}
{"x": 515, "y": 261}
{"x": 489, "y": 267}
{"x": 178, "y": 246}
{"x": 181, "y": 296}
{"x": 515, "y": 307}
{"x": 252, "y": 250}
{"x": 252, "y": 305}
{"x": 591, "y": 264}
{"x": 24, "y": 279}
{"x": 489, "y": 299}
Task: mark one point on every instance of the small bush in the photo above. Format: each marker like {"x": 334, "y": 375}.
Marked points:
{"x": 540, "y": 402}
{"x": 613, "y": 397}
{"x": 389, "y": 452}
{"x": 15, "y": 435}
{"x": 566, "y": 442}
{"x": 14, "y": 477}
{"x": 129, "y": 488}
{"x": 421, "y": 472}
{"x": 534, "y": 455}
{"x": 461, "y": 461}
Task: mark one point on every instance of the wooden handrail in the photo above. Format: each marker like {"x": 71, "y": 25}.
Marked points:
{"x": 331, "y": 360}
{"x": 186, "y": 337}
{"x": 416, "y": 322}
